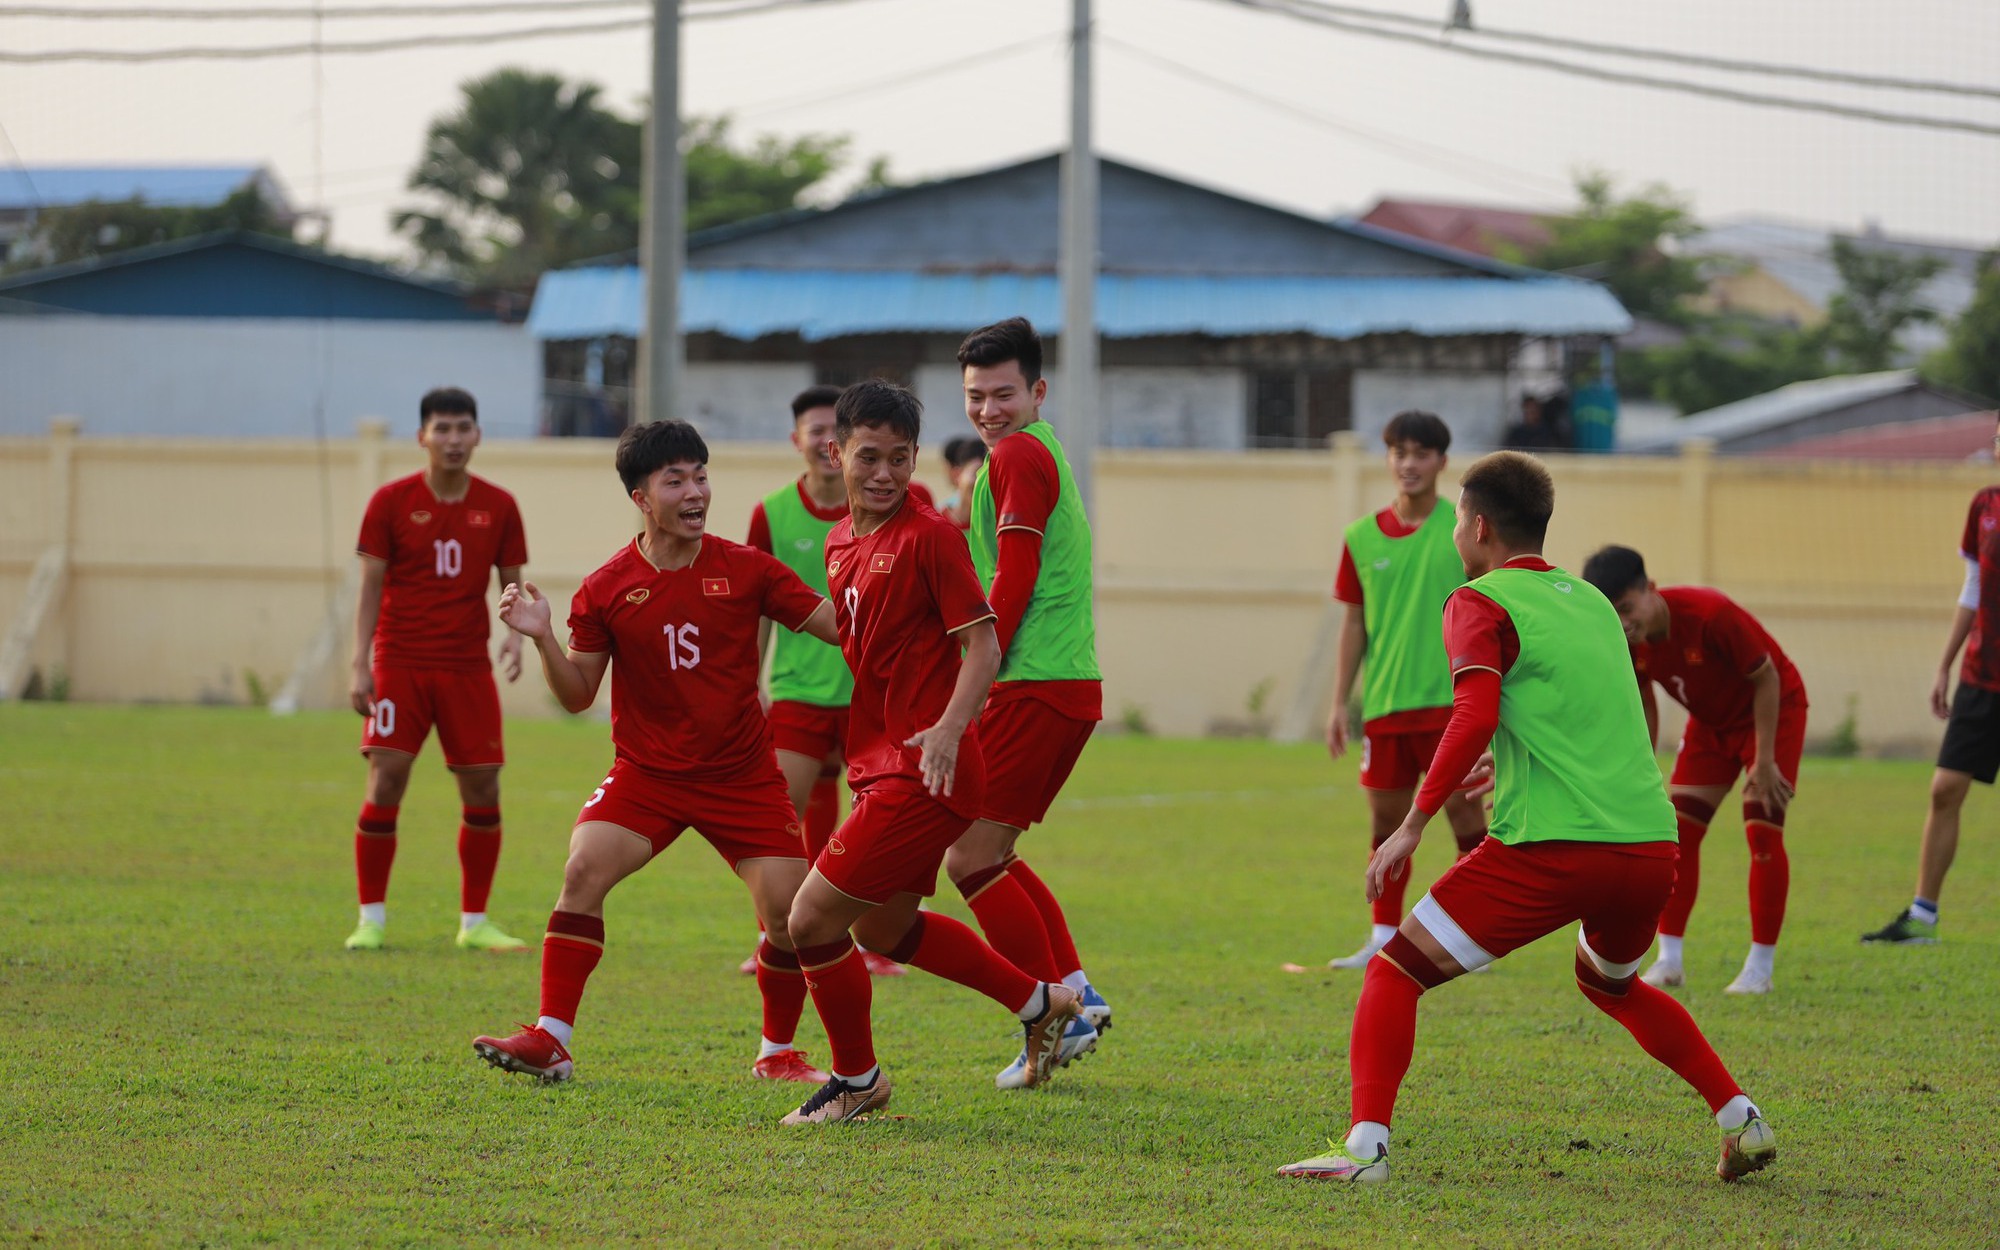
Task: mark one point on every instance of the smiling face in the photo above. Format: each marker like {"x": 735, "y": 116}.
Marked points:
{"x": 675, "y": 498}
{"x": 1643, "y": 611}
{"x": 875, "y": 462}
{"x": 1415, "y": 468}
{"x": 999, "y": 399}
{"x": 811, "y": 432}
{"x": 449, "y": 437}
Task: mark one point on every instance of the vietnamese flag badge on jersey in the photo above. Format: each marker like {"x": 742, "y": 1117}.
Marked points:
{"x": 715, "y": 585}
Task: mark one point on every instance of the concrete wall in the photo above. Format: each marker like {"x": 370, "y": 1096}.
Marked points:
{"x": 1477, "y": 406}
{"x": 744, "y": 402}
{"x": 196, "y": 564}
{"x": 234, "y": 377}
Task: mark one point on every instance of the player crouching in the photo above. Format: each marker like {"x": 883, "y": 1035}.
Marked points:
{"x": 678, "y": 610}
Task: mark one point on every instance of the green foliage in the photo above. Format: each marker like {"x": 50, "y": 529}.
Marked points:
{"x": 1724, "y": 359}
{"x": 203, "y": 1064}
{"x": 1132, "y": 719}
{"x": 1877, "y": 302}
{"x": 531, "y": 172}
{"x": 1970, "y": 358}
{"x": 97, "y": 228}
{"x": 1845, "y": 740}
{"x": 1627, "y": 244}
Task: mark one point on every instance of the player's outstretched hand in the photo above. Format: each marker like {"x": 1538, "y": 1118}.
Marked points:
{"x": 509, "y": 658}
{"x": 1941, "y": 694}
{"x": 525, "y": 611}
{"x": 1479, "y": 782}
{"x": 940, "y": 757}
{"x": 1768, "y": 786}
{"x": 1392, "y": 859}
{"x": 1336, "y": 733}
{"x": 361, "y": 691}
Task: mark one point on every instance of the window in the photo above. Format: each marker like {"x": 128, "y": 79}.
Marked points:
{"x": 1299, "y": 407}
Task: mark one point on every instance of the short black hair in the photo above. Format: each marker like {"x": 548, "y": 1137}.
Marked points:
{"x": 964, "y": 450}
{"x": 877, "y": 402}
{"x": 1514, "y": 493}
{"x": 449, "y": 401}
{"x": 644, "y": 450}
{"x": 813, "y": 397}
{"x": 1013, "y": 339}
{"x": 1615, "y": 570}
{"x": 1425, "y": 429}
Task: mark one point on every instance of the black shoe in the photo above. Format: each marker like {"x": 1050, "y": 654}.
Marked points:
{"x": 1905, "y": 930}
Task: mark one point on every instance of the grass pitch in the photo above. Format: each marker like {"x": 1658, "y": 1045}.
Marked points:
{"x": 196, "y": 1060}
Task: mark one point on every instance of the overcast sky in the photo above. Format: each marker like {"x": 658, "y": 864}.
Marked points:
{"x": 1397, "y": 120}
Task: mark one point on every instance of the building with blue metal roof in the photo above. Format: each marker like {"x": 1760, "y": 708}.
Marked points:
{"x": 28, "y": 190}
{"x": 1225, "y": 323}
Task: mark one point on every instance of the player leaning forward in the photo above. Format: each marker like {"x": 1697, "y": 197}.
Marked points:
{"x": 420, "y": 624}
{"x": 1581, "y": 829}
{"x": 674, "y": 616}
{"x": 906, "y": 600}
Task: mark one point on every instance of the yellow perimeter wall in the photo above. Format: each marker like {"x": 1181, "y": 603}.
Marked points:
{"x": 202, "y": 570}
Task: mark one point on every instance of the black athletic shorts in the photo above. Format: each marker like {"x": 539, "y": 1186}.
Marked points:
{"x": 1972, "y": 736}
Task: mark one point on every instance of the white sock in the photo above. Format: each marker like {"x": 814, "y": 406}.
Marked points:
{"x": 1670, "y": 951}
{"x": 1925, "y": 910}
{"x": 1761, "y": 958}
{"x": 1735, "y": 1114}
{"x": 375, "y": 913}
{"x": 1038, "y": 1002}
{"x": 1365, "y": 1138}
{"x": 864, "y": 1080}
{"x": 1077, "y": 981}
{"x": 1379, "y": 935}
{"x": 558, "y": 1029}
{"x": 766, "y": 1047}
{"x": 471, "y": 919}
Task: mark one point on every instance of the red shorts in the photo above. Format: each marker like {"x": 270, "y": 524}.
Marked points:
{"x": 1716, "y": 757}
{"x": 1500, "y": 898}
{"x": 807, "y": 729}
{"x": 464, "y": 704}
{"x": 1030, "y": 750}
{"x": 1397, "y": 761}
{"x": 748, "y": 819}
{"x": 892, "y": 843}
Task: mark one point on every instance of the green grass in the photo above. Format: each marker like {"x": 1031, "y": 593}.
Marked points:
{"x": 193, "y": 1058}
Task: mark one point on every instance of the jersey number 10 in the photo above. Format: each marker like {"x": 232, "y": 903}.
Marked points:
{"x": 450, "y": 556}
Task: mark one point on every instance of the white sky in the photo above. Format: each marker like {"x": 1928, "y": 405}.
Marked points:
{"x": 1511, "y": 135}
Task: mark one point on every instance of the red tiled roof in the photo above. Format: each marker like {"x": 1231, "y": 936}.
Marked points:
{"x": 1467, "y": 227}
{"x": 1960, "y": 437}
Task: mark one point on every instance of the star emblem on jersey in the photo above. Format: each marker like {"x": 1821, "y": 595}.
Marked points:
{"x": 479, "y": 520}
{"x": 715, "y": 585}
{"x": 639, "y": 596}
{"x": 421, "y": 518}
{"x": 881, "y": 561}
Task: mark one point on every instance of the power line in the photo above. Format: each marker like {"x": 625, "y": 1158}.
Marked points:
{"x": 306, "y": 12}
{"x": 1395, "y": 145}
{"x": 1620, "y": 77}
{"x": 877, "y": 85}
{"x": 1693, "y": 59}
{"x": 399, "y": 43}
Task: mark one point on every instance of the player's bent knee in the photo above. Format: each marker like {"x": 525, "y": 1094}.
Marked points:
{"x": 1949, "y": 788}
{"x": 1598, "y": 976}
{"x": 1408, "y": 958}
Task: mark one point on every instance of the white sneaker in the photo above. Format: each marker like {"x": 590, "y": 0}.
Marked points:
{"x": 1078, "y": 1039}
{"x": 1748, "y": 982}
{"x": 1359, "y": 959}
{"x": 1663, "y": 975}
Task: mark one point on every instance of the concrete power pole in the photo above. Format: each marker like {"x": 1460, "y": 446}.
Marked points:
{"x": 663, "y": 245}
{"x": 1077, "y": 259}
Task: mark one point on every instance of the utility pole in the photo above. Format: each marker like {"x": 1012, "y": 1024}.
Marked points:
{"x": 1077, "y": 260}
{"x": 663, "y": 245}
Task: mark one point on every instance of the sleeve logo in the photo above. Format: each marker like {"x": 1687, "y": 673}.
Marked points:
{"x": 420, "y": 518}
{"x": 639, "y": 596}
{"x": 881, "y": 562}
{"x": 479, "y": 520}
{"x": 715, "y": 585}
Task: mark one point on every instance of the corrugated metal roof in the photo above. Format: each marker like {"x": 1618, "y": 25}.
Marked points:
{"x": 42, "y": 186}
{"x": 1787, "y": 404}
{"x": 751, "y": 303}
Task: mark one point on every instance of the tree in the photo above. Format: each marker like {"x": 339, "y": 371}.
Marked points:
{"x": 1970, "y": 358}
{"x": 1627, "y": 244}
{"x": 726, "y": 183}
{"x": 1878, "y": 299}
{"x": 101, "y": 227}
{"x": 1725, "y": 359}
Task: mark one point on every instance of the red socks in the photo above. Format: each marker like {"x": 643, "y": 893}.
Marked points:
{"x": 943, "y": 947}
{"x": 1011, "y": 921}
{"x": 1665, "y": 1030}
{"x": 1387, "y": 909}
{"x": 570, "y": 951}
{"x": 478, "y": 855}
{"x": 783, "y": 988}
{"x": 1054, "y": 925}
{"x": 822, "y": 814}
{"x": 1691, "y": 817}
{"x": 1385, "y": 1036}
{"x": 374, "y": 851}
{"x": 842, "y": 994}
{"x": 1770, "y": 873}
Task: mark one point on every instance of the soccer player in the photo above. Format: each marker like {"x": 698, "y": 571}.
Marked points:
{"x": 420, "y": 632}
{"x": 962, "y": 457}
{"x": 906, "y": 600}
{"x": 674, "y": 616}
{"x": 1397, "y": 567}
{"x": 1746, "y": 714}
{"x": 1581, "y": 828}
{"x": 1971, "y": 748}
{"x": 809, "y": 682}
{"x": 1031, "y": 542}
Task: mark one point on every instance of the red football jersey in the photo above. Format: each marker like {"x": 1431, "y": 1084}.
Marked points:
{"x": 683, "y": 646}
{"x": 1705, "y": 661}
{"x": 440, "y": 557}
{"x": 899, "y": 595}
{"x": 1981, "y": 542}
